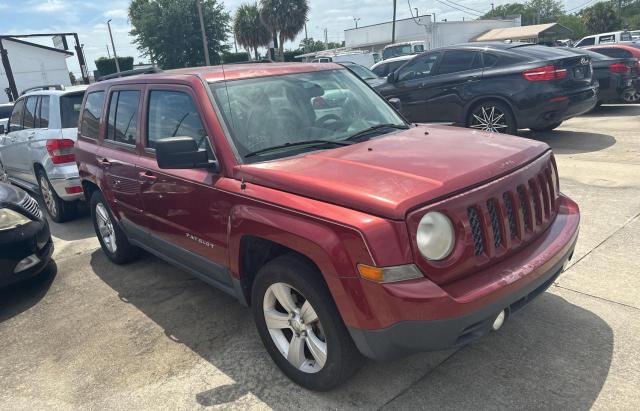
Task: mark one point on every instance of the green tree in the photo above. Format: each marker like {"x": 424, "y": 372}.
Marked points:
{"x": 248, "y": 28}
{"x": 106, "y": 66}
{"x": 285, "y": 18}
{"x": 546, "y": 11}
{"x": 575, "y": 24}
{"x": 512, "y": 9}
{"x": 168, "y": 31}
{"x": 601, "y": 17}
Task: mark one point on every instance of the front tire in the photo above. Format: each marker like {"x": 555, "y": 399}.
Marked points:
{"x": 492, "y": 116}
{"x": 113, "y": 240}
{"x": 300, "y": 325}
{"x": 59, "y": 210}
{"x": 548, "y": 127}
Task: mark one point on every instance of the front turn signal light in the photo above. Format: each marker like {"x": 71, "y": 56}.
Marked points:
{"x": 389, "y": 274}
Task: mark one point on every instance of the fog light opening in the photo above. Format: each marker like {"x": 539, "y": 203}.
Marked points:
{"x": 497, "y": 323}
{"x": 26, "y": 263}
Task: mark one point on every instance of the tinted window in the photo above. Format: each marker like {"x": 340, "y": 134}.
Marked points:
{"x": 362, "y": 72}
{"x": 490, "y": 60}
{"x": 419, "y": 67}
{"x": 626, "y": 36}
{"x": 5, "y": 111}
{"x": 455, "y": 61}
{"x": 30, "y": 112}
{"x": 589, "y": 41}
{"x": 15, "y": 123}
{"x": 171, "y": 114}
{"x": 540, "y": 52}
{"x": 615, "y": 52}
{"x": 70, "y": 109}
{"x": 90, "y": 126}
{"x": 42, "y": 119}
{"x": 123, "y": 117}
{"x": 610, "y": 38}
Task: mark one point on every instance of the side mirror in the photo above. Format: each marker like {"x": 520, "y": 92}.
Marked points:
{"x": 396, "y": 103}
{"x": 182, "y": 152}
{"x": 391, "y": 77}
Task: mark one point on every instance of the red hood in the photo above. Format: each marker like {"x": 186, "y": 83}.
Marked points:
{"x": 389, "y": 175}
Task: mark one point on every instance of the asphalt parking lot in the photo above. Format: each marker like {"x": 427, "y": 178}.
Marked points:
{"x": 93, "y": 335}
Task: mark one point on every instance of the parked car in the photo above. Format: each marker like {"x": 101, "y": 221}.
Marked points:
{"x": 5, "y": 113}
{"x": 25, "y": 241}
{"x": 346, "y": 56}
{"x": 618, "y": 50}
{"x": 605, "y": 38}
{"x": 349, "y": 234}
{"x": 3, "y": 174}
{"x": 364, "y": 73}
{"x": 403, "y": 48}
{"x": 38, "y": 149}
{"x": 618, "y": 78}
{"x": 498, "y": 87}
{"x": 388, "y": 66}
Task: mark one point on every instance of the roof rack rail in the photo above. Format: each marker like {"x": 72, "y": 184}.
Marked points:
{"x": 252, "y": 61}
{"x": 44, "y": 87}
{"x": 133, "y": 72}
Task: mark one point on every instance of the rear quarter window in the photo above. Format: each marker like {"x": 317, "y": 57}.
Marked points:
{"x": 90, "y": 123}
{"x": 70, "y": 109}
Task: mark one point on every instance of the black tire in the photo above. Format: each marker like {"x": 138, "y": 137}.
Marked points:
{"x": 548, "y": 127}
{"x": 343, "y": 358}
{"x": 124, "y": 251}
{"x": 59, "y": 210}
{"x": 507, "y": 121}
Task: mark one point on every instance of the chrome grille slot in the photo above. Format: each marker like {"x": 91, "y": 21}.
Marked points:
{"x": 495, "y": 222}
{"x": 510, "y": 214}
{"x": 524, "y": 207}
{"x": 476, "y": 230}
{"x": 30, "y": 205}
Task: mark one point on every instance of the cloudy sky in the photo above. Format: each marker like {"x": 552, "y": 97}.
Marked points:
{"x": 88, "y": 18}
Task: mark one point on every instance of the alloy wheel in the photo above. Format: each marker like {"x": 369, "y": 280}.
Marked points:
{"x": 105, "y": 227}
{"x": 295, "y": 327}
{"x": 631, "y": 95}
{"x": 47, "y": 196}
{"x": 489, "y": 118}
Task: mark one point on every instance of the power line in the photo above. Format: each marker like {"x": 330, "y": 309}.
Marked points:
{"x": 581, "y": 6}
{"x": 474, "y": 14}
{"x": 465, "y": 7}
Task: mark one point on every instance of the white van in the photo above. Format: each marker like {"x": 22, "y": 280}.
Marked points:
{"x": 604, "y": 38}
{"x": 403, "y": 49}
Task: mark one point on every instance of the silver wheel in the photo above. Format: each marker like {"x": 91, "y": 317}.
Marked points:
{"x": 489, "y": 118}
{"x": 105, "y": 228}
{"x": 295, "y": 327}
{"x": 48, "y": 196}
{"x": 630, "y": 95}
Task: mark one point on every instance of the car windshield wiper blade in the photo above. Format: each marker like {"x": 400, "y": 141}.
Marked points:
{"x": 310, "y": 143}
{"x": 374, "y": 128}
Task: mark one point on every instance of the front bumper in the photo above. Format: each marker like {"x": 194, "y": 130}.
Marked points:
{"x": 33, "y": 239}
{"x": 421, "y": 316}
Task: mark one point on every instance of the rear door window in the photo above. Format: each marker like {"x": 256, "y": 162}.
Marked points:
{"x": 5, "y": 111}
{"x": 614, "y": 52}
{"x": 589, "y": 41}
{"x": 42, "y": 119}
{"x": 15, "y": 123}
{"x": 122, "y": 126}
{"x": 30, "y": 112}
{"x": 70, "y": 109}
{"x": 90, "y": 124}
{"x": 609, "y": 38}
{"x": 456, "y": 61}
{"x": 171, "y": 114}
{"x": 419, "y": 67}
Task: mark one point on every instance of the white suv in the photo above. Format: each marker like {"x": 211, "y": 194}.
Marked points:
{"x": 37, "y": 150}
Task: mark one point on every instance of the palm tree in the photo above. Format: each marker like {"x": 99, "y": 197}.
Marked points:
{"x": 285, "y": 18}
{"x": 248, "y": 28}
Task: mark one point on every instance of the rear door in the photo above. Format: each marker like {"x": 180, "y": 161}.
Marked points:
{"x": 22, "y": 164}
{"x": 9, "y": 158}
{"x": 119, "y": 155}
{"x": 188, "y": 215}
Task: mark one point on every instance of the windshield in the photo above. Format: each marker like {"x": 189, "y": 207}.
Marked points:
{"x": 396, "y": 51}
{"x": 329, "y": 105}
{"x": 362, "y": 72}
{"x": 70, "y": 109}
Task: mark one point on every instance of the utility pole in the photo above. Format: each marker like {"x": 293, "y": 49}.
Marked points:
{"x": 108, "y": 52}
{"x": 113, "y": 47}
{"x": 393, "y": 25}
{"x": 83, "y": 64}
{"x": 355, "y": 20}
{"x": 205, "y": 46}
{"x": 326, "y": 39}
{"x": 492, "y": 7}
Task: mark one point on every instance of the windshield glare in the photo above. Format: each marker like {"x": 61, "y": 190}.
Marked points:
{"x": 323, "y": 105}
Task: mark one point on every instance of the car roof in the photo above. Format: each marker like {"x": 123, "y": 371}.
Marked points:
{"x": 67, "y": 90}
{"x": 229, "y": 72}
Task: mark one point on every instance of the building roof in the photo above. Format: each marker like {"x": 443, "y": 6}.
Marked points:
{"x": 28, "y": 43}
{"x": 524, "y": 32}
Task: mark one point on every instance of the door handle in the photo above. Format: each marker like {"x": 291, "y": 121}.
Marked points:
{"x": 147, "y": 176}
{"x": 103, "y": 162}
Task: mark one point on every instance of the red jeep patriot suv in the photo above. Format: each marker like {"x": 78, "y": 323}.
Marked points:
{"x": 304, "y": 194}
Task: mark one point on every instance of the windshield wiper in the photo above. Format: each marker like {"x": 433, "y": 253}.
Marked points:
{"x": 310, "y": 143}
{"x": 374, "y": 128}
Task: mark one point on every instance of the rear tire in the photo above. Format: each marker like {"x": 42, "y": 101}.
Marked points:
{"x": 326, "y": 355}
{"x": 492, "y": 116}
{"x": 59, "y": 210}
{"x": 548, "y": 127}
{"x": 113, "y": 240}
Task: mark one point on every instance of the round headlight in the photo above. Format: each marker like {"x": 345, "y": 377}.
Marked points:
{"x": 435, "y": 236}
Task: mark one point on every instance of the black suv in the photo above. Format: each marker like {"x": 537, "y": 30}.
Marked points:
{"x": 497, "y": 87}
